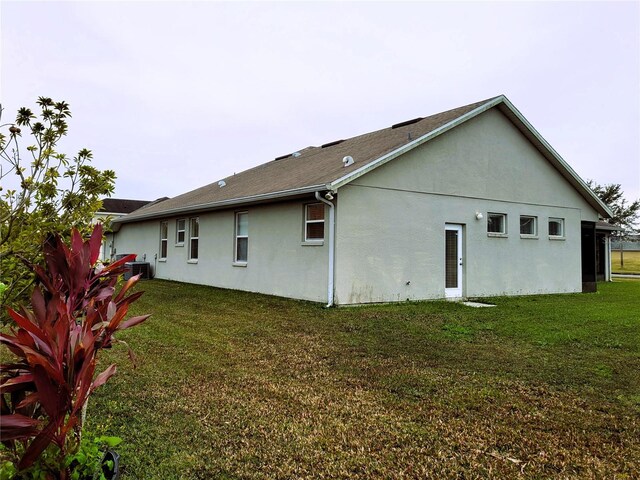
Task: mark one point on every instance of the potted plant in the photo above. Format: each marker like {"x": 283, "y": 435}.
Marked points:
{"x": 76, "y": 308}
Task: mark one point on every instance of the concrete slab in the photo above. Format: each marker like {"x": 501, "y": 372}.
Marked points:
{"x": 477, "y": 304}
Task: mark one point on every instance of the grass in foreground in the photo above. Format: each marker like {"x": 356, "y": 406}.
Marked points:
{"x": 631, "y": 262}
{"x": 237, "y": 385}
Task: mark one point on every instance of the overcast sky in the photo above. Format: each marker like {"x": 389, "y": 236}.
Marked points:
{"x": 175, "y": 95}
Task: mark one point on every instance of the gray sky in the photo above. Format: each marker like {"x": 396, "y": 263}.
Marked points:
{"x": 175, "y": 95}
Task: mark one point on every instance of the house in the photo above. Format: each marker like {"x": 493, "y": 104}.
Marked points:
{"x": 111, "y": 209}
{"x": 470, "y": 202}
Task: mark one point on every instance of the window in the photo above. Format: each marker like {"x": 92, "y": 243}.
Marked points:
{"x": 528, "y": 226}
{"x": 497, "y": 223}
{"x": 314, "y": 222}
{"x": 242, "y": 237}
{"x": 164, "y": 235}
{"x": 556, "y": 227}
{"x": 194, "y": 234}
{"x": 180, "y": 228}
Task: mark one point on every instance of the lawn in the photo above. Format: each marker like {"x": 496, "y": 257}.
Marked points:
{"x": 237, "y": 385}
{"x": 631, "y": 262}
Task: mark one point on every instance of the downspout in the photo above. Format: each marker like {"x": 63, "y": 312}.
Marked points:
{"x": 607, "y": 263}
{"x": 332, "y": 248}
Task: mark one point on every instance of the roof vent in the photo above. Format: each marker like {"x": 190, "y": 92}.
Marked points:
{"x": 331, "y": 144}
{"x": 296, "y": 154}
{"x": 222, "y": 183}
{"x": 408, "y": 122}
{"x": 348, "y": 160}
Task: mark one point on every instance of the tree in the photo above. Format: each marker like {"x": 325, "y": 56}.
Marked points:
{"x": 43, "y": 192}
{"x": 625, "y": 215}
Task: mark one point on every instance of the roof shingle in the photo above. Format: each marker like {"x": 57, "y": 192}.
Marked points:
{"x": 313, "y": 167}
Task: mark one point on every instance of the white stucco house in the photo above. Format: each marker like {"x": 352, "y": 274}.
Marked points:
{"x": 470, "y": 202}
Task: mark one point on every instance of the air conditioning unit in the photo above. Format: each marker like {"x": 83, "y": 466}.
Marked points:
{"x": 135, "y": 268}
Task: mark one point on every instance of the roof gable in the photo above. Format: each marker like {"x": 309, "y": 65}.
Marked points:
{"x": 321, "y": 168}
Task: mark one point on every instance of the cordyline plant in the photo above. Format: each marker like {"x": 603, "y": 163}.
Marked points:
{"x": 75, "y": 313}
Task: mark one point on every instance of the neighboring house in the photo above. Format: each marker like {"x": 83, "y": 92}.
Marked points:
{"x": 113, "y": 208}
{"x": 470, "y": 202}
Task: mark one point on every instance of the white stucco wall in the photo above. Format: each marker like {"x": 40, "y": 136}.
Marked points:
{"x": 279, "y": 263}
{"x": 391, "y": 221}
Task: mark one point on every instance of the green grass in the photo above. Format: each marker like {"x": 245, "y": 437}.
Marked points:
{"x": 236, "y": 385}
{"x": 631, "y": 262}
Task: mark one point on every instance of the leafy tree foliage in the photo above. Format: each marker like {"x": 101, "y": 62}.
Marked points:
{"x": 42, "y": 192}
{"x": 624, "y": 215}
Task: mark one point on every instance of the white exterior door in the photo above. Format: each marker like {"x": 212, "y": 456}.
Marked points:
{"x": 453, "y": 261}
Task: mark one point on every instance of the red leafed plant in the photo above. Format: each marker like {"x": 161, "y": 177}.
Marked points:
{"x": 75, "y": 312}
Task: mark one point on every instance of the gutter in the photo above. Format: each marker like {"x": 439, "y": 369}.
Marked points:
{"x": 213, "y": 205}
{"x": 332, "y": 246}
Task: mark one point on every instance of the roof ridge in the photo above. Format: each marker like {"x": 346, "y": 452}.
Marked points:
{"x": 314, "y": 167}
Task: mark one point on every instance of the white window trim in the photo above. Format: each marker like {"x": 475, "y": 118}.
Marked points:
{"x": 504, "y": 223}
{"x": 313, "y": 241}
{"x": 535, "y": 227}
{"x": 236, "y": 262}
{"x": 562, "y": 236}
{"x": 191, "y": 259}
{"x": 165, "y": 240}
{"x": 184, "y": 231}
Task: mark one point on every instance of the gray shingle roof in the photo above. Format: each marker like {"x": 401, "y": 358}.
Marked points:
{"x": 321, "y": 168}
{"x": 121, "y": 205}
{"x": 313, "y": 169}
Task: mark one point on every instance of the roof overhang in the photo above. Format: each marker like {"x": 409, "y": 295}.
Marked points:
{"x": 220, "y": 205}
{"x": 604, "y": 226}
{"x": 501, "y": 102}
{"x": 512, "y": 113}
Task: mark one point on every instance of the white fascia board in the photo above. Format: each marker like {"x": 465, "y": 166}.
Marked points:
{"x": 106, "y": 214}
{"x": 610, "y": 228}
{"x": 411, "y": 145}
{"x": 564, "y": 165}
{"x": 217, "y": 205}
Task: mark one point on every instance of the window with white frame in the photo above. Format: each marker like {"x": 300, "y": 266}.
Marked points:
{"x": 242, "y": 237}
{"x": 314, "y": 222}
{"x": 164, "y": 237}
{"x": 180, "y": 231}
{"x": 556, "y": 227}
{"x": 194, "y": 236}
{"x": 528, "y": 225}
{"x": 497, "y": 223}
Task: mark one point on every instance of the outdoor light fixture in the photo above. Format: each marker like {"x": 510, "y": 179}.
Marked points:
{"x": 479, "y": 216}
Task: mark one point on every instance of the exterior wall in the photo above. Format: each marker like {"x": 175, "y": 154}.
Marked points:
{"x": 391, "y": 221}
{"x": 279, "y": 263}
{"x": 107, "y": 243}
